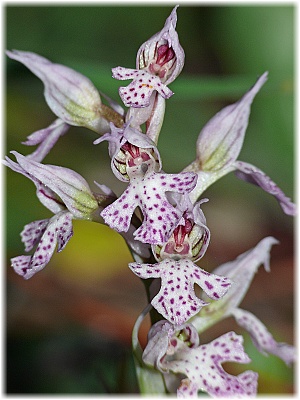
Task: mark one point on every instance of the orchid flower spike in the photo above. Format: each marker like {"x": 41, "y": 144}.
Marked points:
{"x": 218, "y": 147}
{"x": 159, "y": 61}
{"x": 241, "y": 272}
{"x": 67, "y": 195}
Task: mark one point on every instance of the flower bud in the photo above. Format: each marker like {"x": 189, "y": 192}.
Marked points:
{"x": 58, "y": 186}
{"x": 69, "y": 94}
{"x": 220, "y": 141}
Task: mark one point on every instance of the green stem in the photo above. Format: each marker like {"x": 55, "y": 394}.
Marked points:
{"x": 150, "y": 380}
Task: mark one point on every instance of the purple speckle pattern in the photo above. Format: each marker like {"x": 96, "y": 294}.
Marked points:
{"x": 203, "y": 367}
{"x": 32, "y": 233}
{"x": 57, "y": 232}
{"x": 176, "y": 301}
{"x": 148, "y": 193}
{"x": 138, "y": 92}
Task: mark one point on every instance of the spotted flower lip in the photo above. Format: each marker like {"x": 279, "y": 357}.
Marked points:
{"x": 176, "y": 301}
{"x": 129, "y": 147}
{"x": 148, "y": 192}
{"x": 212, "y": 378}
{"x": 138, "y": 93}
{"x": 177, "y": 350}
{"x": 47, "y": 234}
{"x": 69, "y": 94}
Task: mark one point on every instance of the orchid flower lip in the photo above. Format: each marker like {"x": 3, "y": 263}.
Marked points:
{"x": 228, "y": 347}
{"x": 176, "y": 300}
{"x": 148, "y": 193}
{"x": 138, "y": 93}
{"x": 47, "y": 235}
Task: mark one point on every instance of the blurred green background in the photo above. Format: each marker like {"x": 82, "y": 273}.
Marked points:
{"x": 68, "y": 328}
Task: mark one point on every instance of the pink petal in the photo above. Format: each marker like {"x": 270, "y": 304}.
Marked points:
{"x": 262, "y": 338}
{"x": 252, "y": 174}
{"x": 47, "y": 138}
{"x": 242, "y": 270}
{"x": 46, "y": 196}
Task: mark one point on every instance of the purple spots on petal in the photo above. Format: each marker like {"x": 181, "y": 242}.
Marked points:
{"x": 210, "y": 286}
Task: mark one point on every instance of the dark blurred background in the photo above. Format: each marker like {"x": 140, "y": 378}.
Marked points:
{"x": 68, "y": 329}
